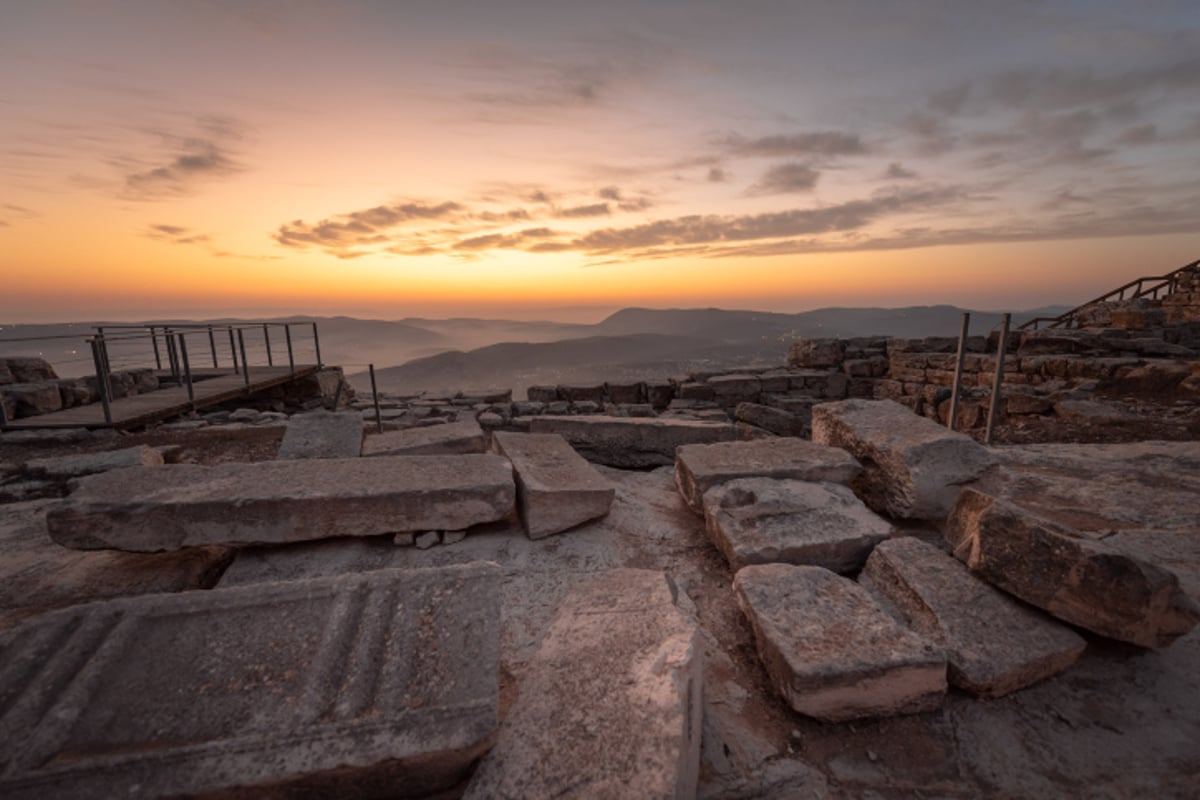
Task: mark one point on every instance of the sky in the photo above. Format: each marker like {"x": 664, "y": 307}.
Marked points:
{"x": 529, "y": 159}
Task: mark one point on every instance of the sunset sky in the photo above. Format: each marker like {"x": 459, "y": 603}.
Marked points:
{"x": 562, "y": 159}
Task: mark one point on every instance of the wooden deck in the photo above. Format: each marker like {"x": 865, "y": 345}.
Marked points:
{"x": 217, "y": 386}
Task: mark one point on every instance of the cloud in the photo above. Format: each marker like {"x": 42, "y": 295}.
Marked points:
{"x": 897, "y": 172}
{"x": 514, "y": 241}
{"x": 177, "y": 234}
{"x": 196, "y": 159}
{"x": 592, "y": 210}
{"x": 819, "y": 143}
{"x": 624, "y": 203}
{"x": 717, "y": 175}
{"x": 786, "y": 179}
{"x": 361, "y": 227}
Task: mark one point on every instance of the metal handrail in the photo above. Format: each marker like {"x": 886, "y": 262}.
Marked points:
{"x": 1167, "y": 282}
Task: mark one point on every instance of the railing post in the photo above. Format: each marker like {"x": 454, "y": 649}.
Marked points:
{"x": 245, "y": 363}
{"x": 267, "y": 340}
{"x": 107, "y": 366}
{"x": 375, "y": 400}
{"x": 187, "y": 370}
{"x": 172, "y": 354}
{"x": 958, "y": 367}
{"x": 157, "y": 355}
{"x": 3, "y": 412}
{"x": 212, "y": 345}
{"x": 997, "y": 379}
{"x": 287, "y": 332}
{"x": 233, "y": 352}
{"x": 317, "y": 344}
{"x": 100, "y": 382}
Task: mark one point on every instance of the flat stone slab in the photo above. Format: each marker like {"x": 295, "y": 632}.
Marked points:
{"x": 322, "y": 434}
{"x": 994, "y": 644}
{"x": 913, "y": 467}
{"x": 632, "y": 442}
{"x": 1074, "y": 575}
{"x": 831, "y": 650}
{"x": 764, "y": 520}
{"x": 38, "y": 575}
{"x": 65, "y": 467}
{"x": 450, "y": 438}
{"x": 699, "y": 467}
{"x": 150, "y": 509}
{"x": 557, "y": 488}
{"x": 386, "y": 681}
{"x": 610, "y": 706}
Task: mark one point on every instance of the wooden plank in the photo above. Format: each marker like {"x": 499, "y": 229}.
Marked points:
{"x": 139, "y": 409}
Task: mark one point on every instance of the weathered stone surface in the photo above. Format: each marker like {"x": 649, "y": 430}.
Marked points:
{"x": 611, "y": 704}
{"x": 699, "y": 467}
{"x": 912, "y": 467}
{"x": 830, "y": 649}
{"x": 1080, "y": 579}
{"x": 765, "y": 520}
{"x": 556, "y": 488}
{"x": 63, "y": 467}
{"x": 816, "y": 353}
{"x": 776, "y": 420}
{"x": 322, "y": 434}
{"x": 461, "y": 437}
{"x": 387, "y": 682}
{"x": 994, "y": 644}
{"x": 31, "y": 399}
{"x": 38, "y": 575}
{"x": 28, "y": 369}
{"x": 180, "y": 505}
{"x": 631, "y": 442}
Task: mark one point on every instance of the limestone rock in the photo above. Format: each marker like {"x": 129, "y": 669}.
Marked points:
{"x": 322, "y": 434}
{"x": 994, "y": 644}
{"x": 31, "y": 399}
{"x": 611, "y": 704}
{"x": 64, "y": 467}
{"x": 830, "y": 649}
{"x": 765, "y": 520}
{"x": 180, "y": 505}
{"x": 776, "y": 420}
{"x": 913, "y": 467}
{"x": 699, "y": 467}
{"x": 299, "y": 688}
{"x": 1076, "y": 577}
{"x": 461, "y": 437}
{"x": 631, "y": 442}
{"x": 556, "y": 488}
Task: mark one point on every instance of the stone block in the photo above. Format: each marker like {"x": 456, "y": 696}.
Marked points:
{"x": 699, "y": 467}
{"x": 660, "y": 394}
{"x": 734, "y": 389}
{"x": 821, "y": 353}
{"x": 322, "y": 434}
{"x": 775, "y": 420}
{"x": 578, "y": 393}
{"x": 766, "y": 520}
{"x": 32, "y": 399}
{"x": 556, "y": 488}
{"x": 542, "y": 394}
{"x": 385, "y": 683}
{"x": 626, "y": 393}
{"x": 692, "y": 390}
{"x": 65, "y": 467}
{"x": 29, "y": 369}
{"x": 610, "y": 706}
{"x": 452, "y": 438}
{"x": 993, "y": 643}
{"x": 913, "y": 467}
{"x": 831, "y": 650}
{"x": 1078, "y": 578}
{"x": 148, "y": 509}
{"x": 632, "y": 442}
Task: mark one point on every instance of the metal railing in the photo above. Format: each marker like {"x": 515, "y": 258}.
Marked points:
{"x": 1152, "y": 287}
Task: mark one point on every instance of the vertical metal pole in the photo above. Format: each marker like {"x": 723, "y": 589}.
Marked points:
{"x": 100, "y": 387}
{"x": 157, "y": 355}
{"x": 233, "y": 352}
{"x": 212, "y": 345}
{"x": 958, "y": 366}
{"x": 267, "y": 340}
{"x": 337, "y": 396}
{"x": 317, "y": 344}
{"x": 375, "y": 399}
{"x": 3, "y": 412}
{"x": 287, "y": 332}
{"x": 245, "y": 363}
{"x": 187, "y": 369}
{"x": 1001, "y": 349}
{"x": 106, "y": 365}
{"x": 172, "y": 354}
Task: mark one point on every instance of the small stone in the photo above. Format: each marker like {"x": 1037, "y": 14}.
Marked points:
{"x": 426, "y": 540}
{"x": 453, "y": 537}
{"x": 404, "y": 539}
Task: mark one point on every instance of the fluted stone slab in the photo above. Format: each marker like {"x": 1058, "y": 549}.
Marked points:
{"x": 180, "y": 505}
{"x": 450, "y": 438}
{"x": 699, "y": 467}
{"x": 764, "y": 520}
{"x": 610, "y": 706}
{"x": 632, "y": 442}
{"x": 993, "y": 643}
{"x": 322, "y": 434}
{"x": 382, "y": 683}
{"x": 557, "y": 488}
{"x": 912, "y": 467}
{"x": 1077, "y": 576}
{"x": 831, "y": 650}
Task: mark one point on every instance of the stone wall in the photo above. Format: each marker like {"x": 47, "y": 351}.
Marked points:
{"x": 29, "y": 386}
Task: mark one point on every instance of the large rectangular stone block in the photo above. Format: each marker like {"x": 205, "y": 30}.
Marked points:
{"x": 610, "y": 706}
{"x": 322, "y": 434}
{"x": 632, "y": 442}
{"x": 181, "y": 505}
{"x": 699, "y": 467}
{"x": 557, "y": 488}
{"x": 994, "y": 644}
{"x": 382, "y": 684}
{"x": 451, "y": 438}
